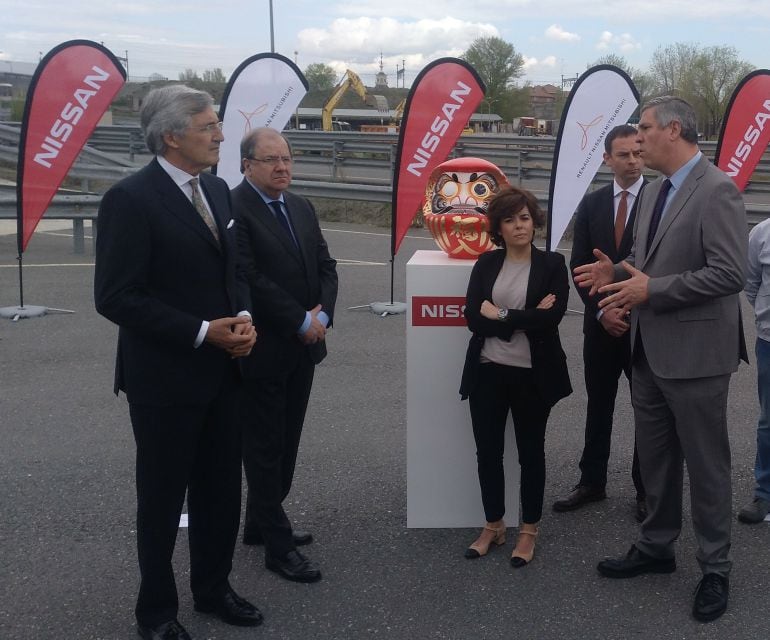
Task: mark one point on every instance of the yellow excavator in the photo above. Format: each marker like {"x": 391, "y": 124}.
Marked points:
{"x": 349, "y": 81}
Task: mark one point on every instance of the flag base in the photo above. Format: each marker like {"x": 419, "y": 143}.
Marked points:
{"x": 27, "y": 311}
{"x": 388, "y": 308}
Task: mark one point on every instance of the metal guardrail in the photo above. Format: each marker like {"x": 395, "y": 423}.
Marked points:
{"x": 341, "y": 157}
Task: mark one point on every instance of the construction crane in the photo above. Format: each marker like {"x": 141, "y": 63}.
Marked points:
{"x": 349, "y": 81}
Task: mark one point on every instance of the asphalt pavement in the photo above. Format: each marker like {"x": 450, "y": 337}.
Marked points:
{"x": 67, "y": 504}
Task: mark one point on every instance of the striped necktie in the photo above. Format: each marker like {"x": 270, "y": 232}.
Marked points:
{"x": 200, "y": 207}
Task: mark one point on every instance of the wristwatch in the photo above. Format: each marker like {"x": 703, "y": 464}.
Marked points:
{"x": 502, "y": 313}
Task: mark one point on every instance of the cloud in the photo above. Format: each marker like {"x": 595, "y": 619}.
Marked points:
{"x": 532, "y": 64}
{"x": 623, "y": 42}
{"x": 555, "y": 32}
{"x": 357, "y": 42}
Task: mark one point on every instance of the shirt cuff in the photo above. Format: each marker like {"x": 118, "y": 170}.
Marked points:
{"x": 306, "y": 324}
{"x": 323, "y": 318}
{"x": 201, "y": 334}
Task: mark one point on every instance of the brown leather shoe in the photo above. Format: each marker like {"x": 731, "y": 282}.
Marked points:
{"x": 581, "y": 495}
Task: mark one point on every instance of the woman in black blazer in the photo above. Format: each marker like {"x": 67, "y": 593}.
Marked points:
{"x": 517, "y": 295}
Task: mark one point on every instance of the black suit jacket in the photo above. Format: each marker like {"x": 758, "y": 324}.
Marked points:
{"x": 159, "y": 274}
{"x": 284, "y": 281}
{"x": 595, "y": 229}
{"x": 548, "y": 274}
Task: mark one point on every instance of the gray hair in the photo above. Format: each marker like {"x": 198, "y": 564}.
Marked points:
{"x": 669, "y": 109}
{"x": 170, "y": 109}
{"x": 252, "y": 139}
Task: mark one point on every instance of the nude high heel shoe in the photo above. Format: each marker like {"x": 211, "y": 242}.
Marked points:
{"x": 521, "y": 559}
{"x": 479, "y": 548}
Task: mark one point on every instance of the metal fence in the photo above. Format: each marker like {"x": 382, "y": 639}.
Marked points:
{"x": 344, "y": 165}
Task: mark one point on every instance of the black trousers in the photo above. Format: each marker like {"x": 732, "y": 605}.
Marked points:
{"x": 193, "y": 450}
{"x": 605, "y": 358}
{"x": 500, "y": 389}
{"x": 273, "y": 418}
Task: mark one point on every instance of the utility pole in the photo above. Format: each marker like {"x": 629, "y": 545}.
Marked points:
{"x": 272, "y": 34}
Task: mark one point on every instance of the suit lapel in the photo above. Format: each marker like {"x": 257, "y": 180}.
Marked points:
{"x": 264, "y": 215}
{"x": 177, "y": 204}
{"x": 677, "y": 203}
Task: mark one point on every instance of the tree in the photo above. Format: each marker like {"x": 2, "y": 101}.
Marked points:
{"x": 320, "y": 76}
{"x": 642, "y": 80}
{"x": 715, "y": 73}
{"x": 705, "y": 77}
{"x": 670, "y": 67}
{"x": 214, "y": 75}
{"x": 189, "y": 75}
{"x": 498, "y": 64}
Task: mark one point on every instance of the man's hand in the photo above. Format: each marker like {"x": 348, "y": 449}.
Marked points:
{"x": 626, "y": 294}
{"x": 316, "y": 331}
{"x": 595, "y": 275}
{"x": 234, "y": 335}
{"x": 614, "y": 322}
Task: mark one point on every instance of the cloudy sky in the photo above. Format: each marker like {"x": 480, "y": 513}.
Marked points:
{"x": 556, "y": 37}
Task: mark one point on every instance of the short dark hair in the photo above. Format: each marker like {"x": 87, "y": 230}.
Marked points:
{"x": 621, "y": 131}
{"x": 507, "y": 202}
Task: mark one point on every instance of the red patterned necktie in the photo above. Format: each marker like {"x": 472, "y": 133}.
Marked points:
{"x": 620, "y": 218}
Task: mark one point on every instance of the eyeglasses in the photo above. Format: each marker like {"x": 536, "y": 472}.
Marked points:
{"x": 212, "y": 127}
{"x": 272, "y": 160}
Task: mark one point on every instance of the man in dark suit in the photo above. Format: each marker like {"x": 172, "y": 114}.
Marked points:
{"x": 165, "y": 273}
{"x": 681, "y": 283}
{"x": 605, "y": 220}
{"x": 293, "y": 285}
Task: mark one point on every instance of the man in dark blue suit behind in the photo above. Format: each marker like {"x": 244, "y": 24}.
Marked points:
{"x": 293, "y": 289}
{"x": 165, "y": 274}
{"x": 605, "y": 220}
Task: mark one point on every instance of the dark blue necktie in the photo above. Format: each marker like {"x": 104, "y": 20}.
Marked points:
{"x": 657, "y": 211}
{"x": 282, "y": 220}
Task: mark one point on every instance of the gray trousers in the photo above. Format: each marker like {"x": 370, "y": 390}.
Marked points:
{"x": 677, "y": 421}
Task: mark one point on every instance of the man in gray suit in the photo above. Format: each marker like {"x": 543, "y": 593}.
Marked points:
{"x": 681, "y": 284}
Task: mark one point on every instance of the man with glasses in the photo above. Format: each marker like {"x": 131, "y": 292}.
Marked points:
{"x": 165, "y": 274}
{"x": 293, "y": 284}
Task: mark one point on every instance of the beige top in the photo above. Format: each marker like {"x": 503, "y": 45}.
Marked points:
{"x": 510, "y": 291}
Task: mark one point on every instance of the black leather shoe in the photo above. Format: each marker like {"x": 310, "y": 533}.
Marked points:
{"x": 300, "y": 538}
{"x": 232, "y": 609}
{"x": 170, "y": 630}
{"x": 641, "y": 510}
{"x": 634, "y": 563}
{"x": 581, "y": 495}
{"x": 294, "y": 566}
{"x": 711, "y": 597}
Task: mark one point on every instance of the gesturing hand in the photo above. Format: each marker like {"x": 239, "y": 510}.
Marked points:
{"x": 595, "y": 275}
{"x": 626, "y": 294}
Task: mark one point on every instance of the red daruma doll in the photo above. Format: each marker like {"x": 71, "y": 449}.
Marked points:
{"x": 455, "y": 205}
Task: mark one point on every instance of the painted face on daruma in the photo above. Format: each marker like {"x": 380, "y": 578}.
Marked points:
{"x": 455, "y": 205}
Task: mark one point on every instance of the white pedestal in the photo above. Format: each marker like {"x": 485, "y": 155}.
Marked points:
{"x": 441, "y": 477}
